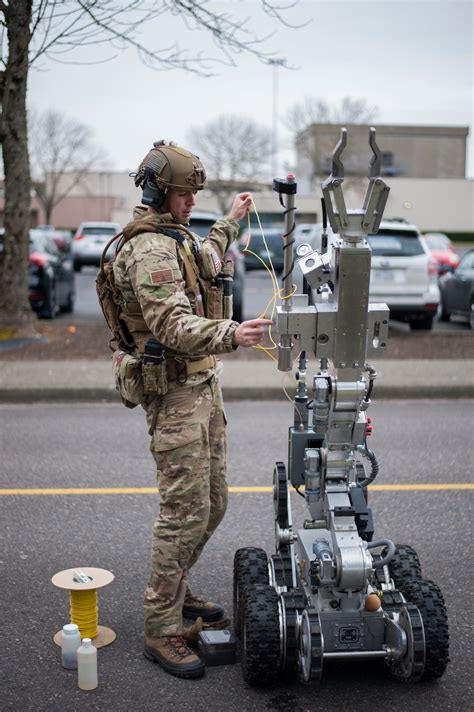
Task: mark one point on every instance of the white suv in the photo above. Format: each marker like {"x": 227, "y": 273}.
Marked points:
{"x": 90, "y": 240}
{"x": 404, "y": 275}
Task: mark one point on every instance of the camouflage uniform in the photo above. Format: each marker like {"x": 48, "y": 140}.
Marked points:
{"x": 189, "y": 438}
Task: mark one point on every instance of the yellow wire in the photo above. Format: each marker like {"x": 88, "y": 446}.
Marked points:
{"x": 271, "y": 271}
{"x": 277, "y": 293}
{"x": 85, "y": 612}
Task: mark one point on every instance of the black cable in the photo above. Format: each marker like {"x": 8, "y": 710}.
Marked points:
{"x": 287, "y": 234}
{"x": 298, "y": 490}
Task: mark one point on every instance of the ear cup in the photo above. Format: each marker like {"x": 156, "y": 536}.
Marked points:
{"x": 152, "y": 195}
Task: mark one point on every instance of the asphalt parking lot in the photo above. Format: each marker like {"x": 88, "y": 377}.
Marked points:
{"x": 50, "y": 448}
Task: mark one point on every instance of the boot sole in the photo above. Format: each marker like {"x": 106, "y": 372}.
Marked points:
{"x": 189, "y": 674}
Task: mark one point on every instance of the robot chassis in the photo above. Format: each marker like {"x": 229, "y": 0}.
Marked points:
{"x": 331, "y": 592}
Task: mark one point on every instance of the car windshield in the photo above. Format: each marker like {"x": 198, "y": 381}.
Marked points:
{"x": 388, "y": 243}
{"x": 437, "y": 242}
{"x": 97, "y": 230}
{"x": 37, "y": 242}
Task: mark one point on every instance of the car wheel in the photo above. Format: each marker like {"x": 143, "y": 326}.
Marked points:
{"x": 69, "y": 306}
{"x": 51, "y": 308}
{"x": 471, "y": 316}
{"x": 444, "y": 315}
{"x": 77, "y": 266}
{"x": 425, "y": 324}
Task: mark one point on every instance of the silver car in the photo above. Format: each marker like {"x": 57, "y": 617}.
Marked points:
{"x": 90, "y": 240}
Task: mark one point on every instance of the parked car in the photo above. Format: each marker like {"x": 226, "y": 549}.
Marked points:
{"x": 457, "y": 290}
{"x": 256, "y": 244}
{"x": 403, "y": 274}
{"x": 62, "y": 238}
{"x": 442, "y": 250}
{"x": 201, "y": 223}
{"x": 51, "y": 281}
{"x": 90, "y": 240}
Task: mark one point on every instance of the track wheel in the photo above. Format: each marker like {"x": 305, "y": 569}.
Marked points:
{"x": 310, "y": 649}
{"x": 280, "y": 495}
{"x": 427, "y": 596}
{"x": 404, "y": 566}
{"x": 261, "y": 636}
{"x": 292, "y": 604}
{"x": 282, "y": 507}
{"x": 409, "y": 667}
{"x": 250, "y": 567}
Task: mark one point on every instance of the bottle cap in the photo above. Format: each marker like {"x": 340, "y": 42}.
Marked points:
{"x": 70, "y": 628}
{"x": 87, "y": 642}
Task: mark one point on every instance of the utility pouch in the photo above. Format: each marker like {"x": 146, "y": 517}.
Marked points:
{"x": 208, "y": 261}
{"x": 228, "y": 274}
{"x": 228, "y": 306}
{"x": 155, "y": 380}
{"x": 214, "y": 302}
{"x": 128, "y": 378}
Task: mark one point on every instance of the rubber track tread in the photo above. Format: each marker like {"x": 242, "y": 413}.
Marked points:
{"x": 428, "y": 598}
{"x": 404, "y": 566}
{"x": 261, "y": 641}
{"x": 250, "y": 568}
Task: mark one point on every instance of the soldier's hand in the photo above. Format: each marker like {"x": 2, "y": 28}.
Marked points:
{"x": 251, "y": 333}
{"x": 241, "y": 206}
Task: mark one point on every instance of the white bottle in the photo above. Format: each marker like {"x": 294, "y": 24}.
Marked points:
{"x": 87, "y": 665}
{"x": 70, "y": 642}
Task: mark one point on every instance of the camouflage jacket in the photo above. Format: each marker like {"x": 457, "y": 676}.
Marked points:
{"x": 147, "y": 271}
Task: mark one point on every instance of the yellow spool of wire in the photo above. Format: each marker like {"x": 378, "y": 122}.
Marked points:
{"x": 85, "y": 612}
{"x": 83, "y": 584}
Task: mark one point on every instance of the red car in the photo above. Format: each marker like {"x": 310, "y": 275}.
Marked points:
{"x": 442, "y": 250}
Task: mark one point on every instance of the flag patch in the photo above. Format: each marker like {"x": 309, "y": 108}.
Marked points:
{"x": 163, "y": 275}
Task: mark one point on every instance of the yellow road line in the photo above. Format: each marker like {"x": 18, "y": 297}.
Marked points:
{"x": 437, "y": 487}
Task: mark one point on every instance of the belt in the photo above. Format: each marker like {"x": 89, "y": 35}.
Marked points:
{"x": 176, "y": 368}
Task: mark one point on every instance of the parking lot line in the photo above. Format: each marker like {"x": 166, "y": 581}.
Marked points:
{"x": 436, "y": 487}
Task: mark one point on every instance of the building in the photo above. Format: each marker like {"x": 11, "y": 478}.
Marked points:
{"x": 407, "y": 151}
{"x": 424, "y": 166}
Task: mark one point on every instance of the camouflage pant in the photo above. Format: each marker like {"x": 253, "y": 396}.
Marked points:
{"x": 189, "y": 447}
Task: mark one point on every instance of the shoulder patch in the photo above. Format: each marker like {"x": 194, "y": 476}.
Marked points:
{"x": 163, "y": 275}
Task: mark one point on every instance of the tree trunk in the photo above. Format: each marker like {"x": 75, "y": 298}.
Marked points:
{"x": 16, "y": 316}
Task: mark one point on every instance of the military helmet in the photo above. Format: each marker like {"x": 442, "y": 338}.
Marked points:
{"x": 171, "y": 167}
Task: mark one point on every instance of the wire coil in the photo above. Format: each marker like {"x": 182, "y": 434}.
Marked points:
{"x": 84, "y": 612}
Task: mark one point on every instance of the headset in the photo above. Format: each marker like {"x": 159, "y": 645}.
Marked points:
{"x": 152, "y": 196}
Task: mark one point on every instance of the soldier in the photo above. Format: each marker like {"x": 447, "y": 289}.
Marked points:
{"x": 172, "y": 286}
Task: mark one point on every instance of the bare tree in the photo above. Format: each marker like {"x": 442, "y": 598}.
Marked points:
{"x": 62, "y": 152}
{"x": 31, "y": 30}
{"x": 315, "y": 145}
{"x": 235, "y": 151}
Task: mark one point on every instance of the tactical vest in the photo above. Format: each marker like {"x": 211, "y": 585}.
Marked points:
{"x": 208, "y": 286}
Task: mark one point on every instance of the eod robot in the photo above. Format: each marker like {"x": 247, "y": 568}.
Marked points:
{"x": 332, "y": 590}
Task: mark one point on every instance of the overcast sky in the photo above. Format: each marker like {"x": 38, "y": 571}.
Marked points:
{"x": 413, "y": 59}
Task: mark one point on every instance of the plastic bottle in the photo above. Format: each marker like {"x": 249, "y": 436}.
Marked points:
{"x": 70, "y": 642}
{"x": 87, "y": 665}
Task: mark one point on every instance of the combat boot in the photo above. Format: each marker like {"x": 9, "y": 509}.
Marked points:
{"x": 174, "y": 656}
{"x": 197, "y": 607}
{"x": 191, "y": 634}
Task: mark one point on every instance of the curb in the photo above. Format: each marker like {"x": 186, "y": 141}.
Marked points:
{"x": 109, "y": 395}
